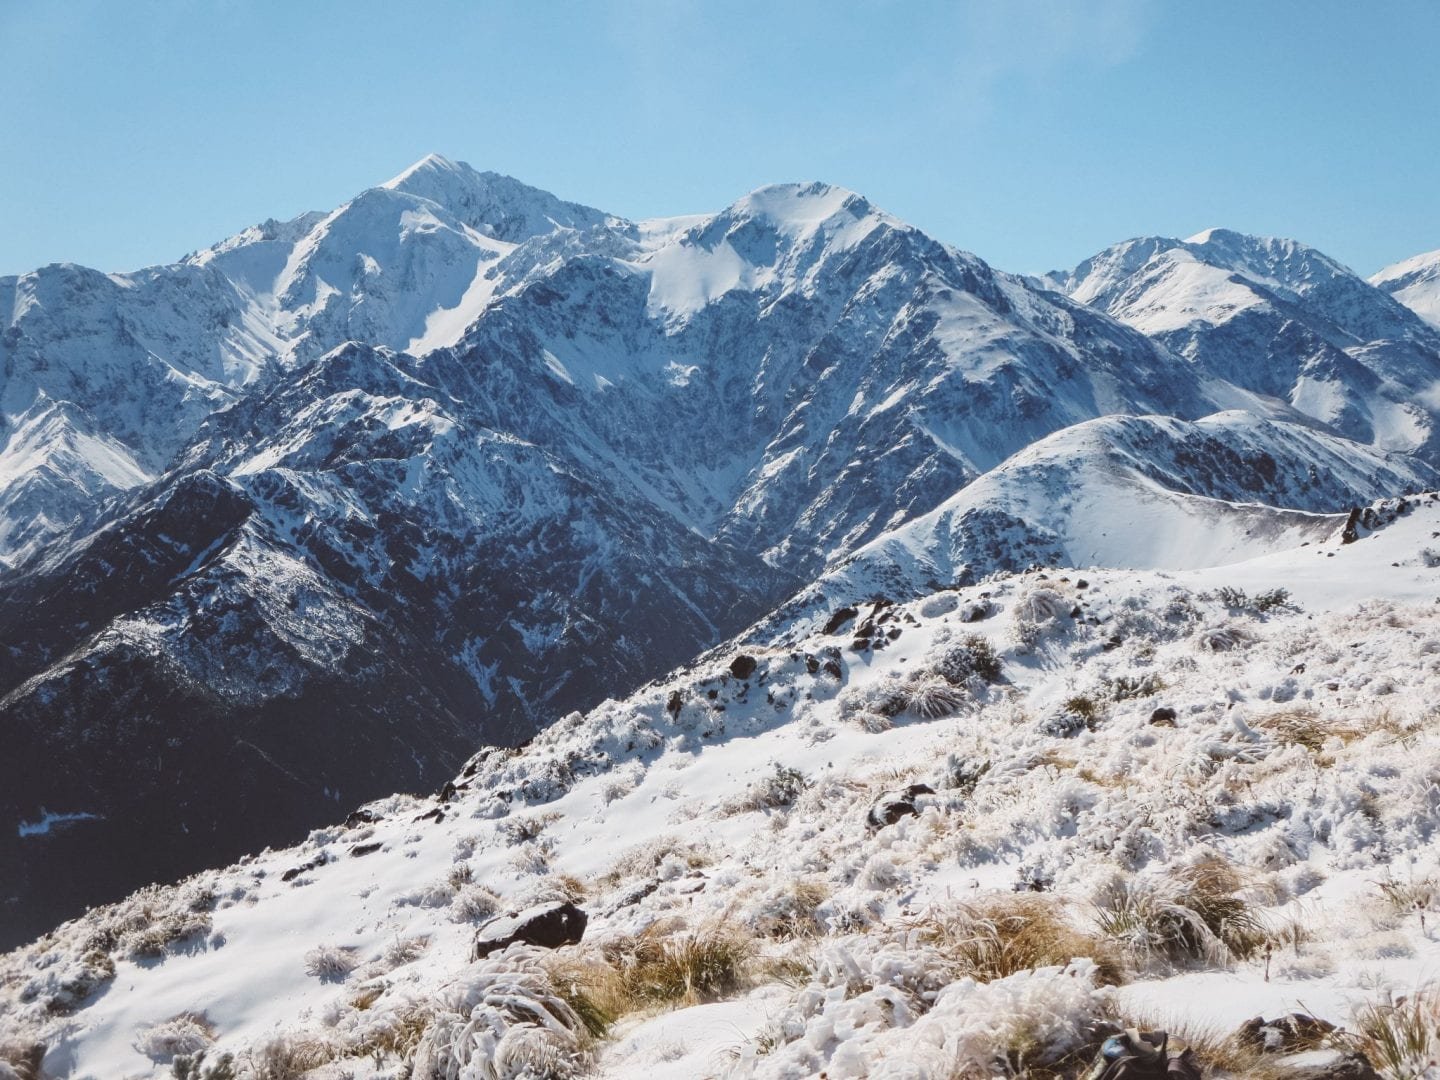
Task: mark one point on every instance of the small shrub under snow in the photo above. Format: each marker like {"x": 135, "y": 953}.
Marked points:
{"x": 331, "y": 963}
{"x": 188, "y": 1033}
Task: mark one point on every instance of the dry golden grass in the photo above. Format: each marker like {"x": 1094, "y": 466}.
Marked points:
{"x": 664, "y": 966}
{"x": 1306, "y": 727}
{"x": 1400, "y": 1037}
{"x": 1005, "y": 935}
{"x": 399, "y": 1038}
{"x": 289, "y": 1057}
{"x": 1199, "y": 914}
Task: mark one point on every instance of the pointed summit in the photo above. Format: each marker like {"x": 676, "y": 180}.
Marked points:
{"x": 495, "y": 205}
{"x": 428, "y": 165}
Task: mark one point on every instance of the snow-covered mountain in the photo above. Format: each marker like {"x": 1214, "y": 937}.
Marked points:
{"x": 1415, "y": 282}
{"x": 306, "y": 516}
{"x": 1191, "y": 797}
{"x": 1279, "y": 319}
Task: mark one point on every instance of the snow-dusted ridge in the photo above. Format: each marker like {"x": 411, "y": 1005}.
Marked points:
{"x": 1415, "y": 282}
{"x": 729, "y": 789}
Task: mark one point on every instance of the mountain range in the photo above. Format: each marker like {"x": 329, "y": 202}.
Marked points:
{"x": 309, "y": 515}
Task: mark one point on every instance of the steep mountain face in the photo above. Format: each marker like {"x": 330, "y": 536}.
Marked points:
{"x": 1280, "y": 319}
{"x": 305, "y": 517}
{"x": 1415, "y": 282}
{"x": 798, "y": 372}
{"x": 345, "y": 587}
{"x": 139, "y": 360}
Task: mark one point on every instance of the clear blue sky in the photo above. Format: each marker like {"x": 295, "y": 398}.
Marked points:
{"x": 1032, "y": 133}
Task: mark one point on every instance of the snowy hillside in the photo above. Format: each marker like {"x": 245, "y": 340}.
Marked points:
{"x": 1280, "y": 319}
{"x": 1415, "y": 282}
{"x": 1126, "y": 491}
{"x": 1184, "y": 798}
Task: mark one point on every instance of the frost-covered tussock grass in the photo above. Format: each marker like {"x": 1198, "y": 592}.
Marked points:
{"x": 963, "y": 836}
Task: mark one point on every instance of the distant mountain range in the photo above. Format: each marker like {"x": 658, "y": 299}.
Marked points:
{"x": 309, "y": 515}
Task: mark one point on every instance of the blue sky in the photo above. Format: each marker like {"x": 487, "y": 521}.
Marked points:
{"x": 1032, "y": 132}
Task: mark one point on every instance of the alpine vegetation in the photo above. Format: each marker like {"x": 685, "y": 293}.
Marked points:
{"x": 1234, "y": 846}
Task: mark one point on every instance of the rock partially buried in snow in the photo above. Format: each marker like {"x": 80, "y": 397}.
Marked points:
{"x": 1289, "y": 1034}
{"x": 891, "y": 806}
{"x": 546, "y": 925}
{"x": 1350, "y": 1066}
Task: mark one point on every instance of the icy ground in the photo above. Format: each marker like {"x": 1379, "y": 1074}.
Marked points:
{"x": 1301, "y": 768}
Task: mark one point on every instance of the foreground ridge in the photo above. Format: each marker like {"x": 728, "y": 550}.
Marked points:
{"x": 977, "y": 830}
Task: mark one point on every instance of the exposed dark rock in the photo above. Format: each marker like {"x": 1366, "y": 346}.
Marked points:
{"x": 976, "y": 612}
{"x": 743, "y": 666}
{"x": 838, "y": 619}
{"x": 1164, "y": 716}
{"x": 295, "y": 871}
{"x": 546, "y": 925}
{"x": 891, "y": 806}
{"x": 365, "y": 849}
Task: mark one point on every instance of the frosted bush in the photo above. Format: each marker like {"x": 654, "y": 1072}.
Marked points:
{"x": 187, "y": 1033}
{"x": 1040, "y": 605}
{"x": 473, "y": 903}
{"x": 503, "y": 1020}
{"x": 879, "y": 872}
{"x": 933, "y": 697}
{"x": 932, "y": 607}
{"x": 883, "y": 697}
{"x": 403, "y": 951}
{"x": 330, "y": 963}
{"x": 973, "y": 658}
{"x": 1223, "y": 638}
{"x": 435, "y": 894}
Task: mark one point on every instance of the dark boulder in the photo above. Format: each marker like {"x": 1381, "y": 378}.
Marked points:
{"x": 1164, "y": 716}
{"x": 546, "y": 925}
{"x": 891, "y": 806}
{"x": 743, "y": 666}
{"x": 839, "y": 618}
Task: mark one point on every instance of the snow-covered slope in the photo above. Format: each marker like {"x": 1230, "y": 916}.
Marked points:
{"x": 1415, "y": 282}
{"x": 1143, "y": 734}
{"x": 1281, "y": 319}
{"x": 1143, "y": 492}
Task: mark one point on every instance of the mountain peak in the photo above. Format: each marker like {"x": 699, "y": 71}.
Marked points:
{"x": 803, "y": 204}
{"x": 496, "y": 205}
{"x": 430, "y": 164}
